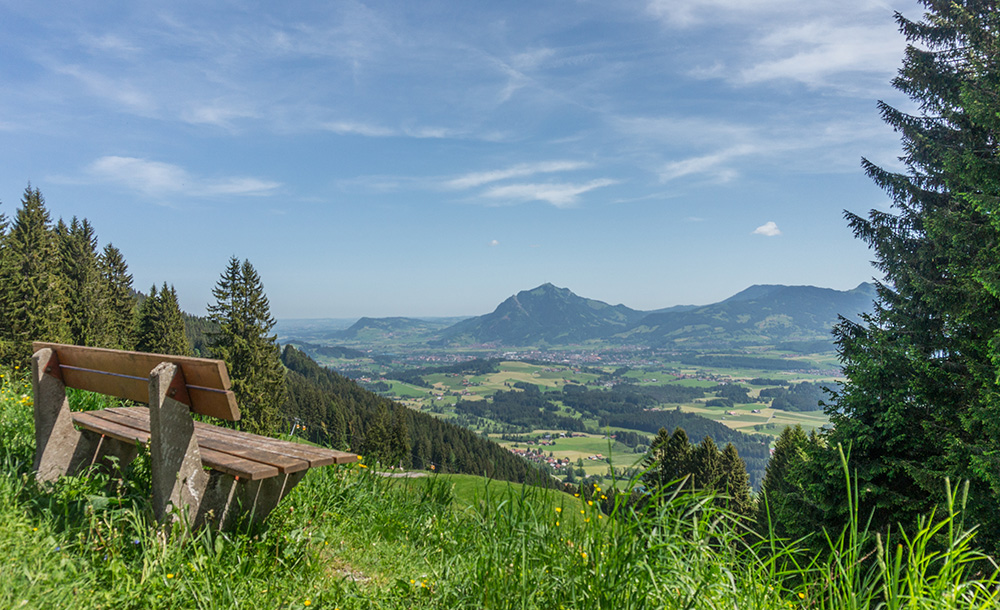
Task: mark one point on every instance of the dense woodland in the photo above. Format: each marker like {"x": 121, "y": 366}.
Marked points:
{"x": 337, "y": 411}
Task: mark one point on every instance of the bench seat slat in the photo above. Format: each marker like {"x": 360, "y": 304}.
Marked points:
{"x": 219, "y": 439}
{"x": 316, "y": 456}
{"x": 133, "y": 427}
{"x": 93, "y": 420}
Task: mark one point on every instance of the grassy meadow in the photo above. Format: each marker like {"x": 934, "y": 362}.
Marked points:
{"x": 347, "y": 538}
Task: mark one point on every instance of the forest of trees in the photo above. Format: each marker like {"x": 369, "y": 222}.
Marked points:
{"x": 338, "y": 412}
{"x": 802, "y": 396}
{"x": 56, "y": 285}
{"x": 673, "y": 464}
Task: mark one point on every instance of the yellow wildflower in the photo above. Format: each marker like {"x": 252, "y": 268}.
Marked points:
{"x": 558, "y": 509}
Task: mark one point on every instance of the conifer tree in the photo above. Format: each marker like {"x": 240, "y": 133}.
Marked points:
{"x": 668, "y": 460}
{"x": 160, "y": 324}
{"x": 778, "y": 490}
{"x": 920, "y": 400}
{"x": 735, "y": 483}
{"x": 32, "y": 288}
{"x": 118, "y": 305}
{"x": 244, "y": 341}
{"x": 78, "y": 254}
{"x": 706, "y": 464}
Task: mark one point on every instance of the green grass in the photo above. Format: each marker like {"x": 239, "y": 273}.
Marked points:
{"x": 345, "y": 538}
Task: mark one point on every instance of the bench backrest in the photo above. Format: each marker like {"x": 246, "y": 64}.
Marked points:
{"x": 205, "y": 387}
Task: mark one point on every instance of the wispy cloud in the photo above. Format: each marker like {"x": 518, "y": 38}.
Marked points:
{"x": 814, "y": 52}
{"x": 560, "y": 195}
{"x": 218, "y": 114}
{"x": 691, "y": 12}
{"x": 710, "y": 163}
{"x": 768, "y": 229}
{"x": 522, "y": 170}
{"x": 158, "y": 179}
{"x": 380, "y": 131}
{"x": 359, "y": 129}
{"x": 134, "y": 98}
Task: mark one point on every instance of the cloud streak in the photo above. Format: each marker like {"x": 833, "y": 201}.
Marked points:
{"x": 158, "y": 179}
{"x": 476, "y": 179}
{"x": 561, "y": 195}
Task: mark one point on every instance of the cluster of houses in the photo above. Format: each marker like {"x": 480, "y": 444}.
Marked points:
{"x": 539, "y": 457}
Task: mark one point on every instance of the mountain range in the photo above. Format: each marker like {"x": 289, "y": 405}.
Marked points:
{"x": 798, "y": 318}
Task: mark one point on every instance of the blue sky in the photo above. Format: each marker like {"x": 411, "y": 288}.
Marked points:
{"x": 433, "y": 158}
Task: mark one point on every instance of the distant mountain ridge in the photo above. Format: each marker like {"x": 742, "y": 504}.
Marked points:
{"x": 761, "y": 314}
{"x": 798, "y": 318}
{"x": 546, "y": 314}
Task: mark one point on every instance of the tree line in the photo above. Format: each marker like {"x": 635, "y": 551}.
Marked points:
{"x": 55, "y": 285}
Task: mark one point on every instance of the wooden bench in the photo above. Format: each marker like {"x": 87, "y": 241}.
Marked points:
{"x": 215, "y": 474}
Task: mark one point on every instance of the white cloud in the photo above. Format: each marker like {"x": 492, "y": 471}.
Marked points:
{"x": 710, "y": 163}
{"x": 380, "y": 131}
{"x": 475, "y": 179}
{"x": 690, "y": 12}
{"x": 814, "y": 52}
{"x": 218, "y": 114}
{"x": 110, "y": 43}
{"x": 494, "y": 243}
{"x": 559, "y": 195}
{"x": 768, "y": 229}
{"x": 158, "y": 179}
{"x": 360, "y": 129}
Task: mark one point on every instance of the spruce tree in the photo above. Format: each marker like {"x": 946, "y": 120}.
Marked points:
{"x": 119, "y": 306}
{"x": 244, "y": 341}
{"x": 160, "y": 324}
{"x": 668, "y": 460}
{"x": 706, "y": 465}
{"x": 79, "y": 258}
{"x": 32, "y": 287}
{"x": 780, "y": 492}
{"x": 920, "y": 400}
{"x": 735, "y": 483}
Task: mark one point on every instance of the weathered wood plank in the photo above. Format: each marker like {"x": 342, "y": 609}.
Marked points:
{"x": 223, "y": 440}
{"x": 317, "y": 456}
{"x": 91, "y": 420}
{"x": 132, "y": 425}
{"x": 126, "y": 375}
{"x": 236, "y": 466}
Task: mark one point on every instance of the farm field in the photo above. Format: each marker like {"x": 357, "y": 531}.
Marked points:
{"x": 438, "y": 388}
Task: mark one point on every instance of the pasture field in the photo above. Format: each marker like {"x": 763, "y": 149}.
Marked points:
{"x": 446, "y": 389}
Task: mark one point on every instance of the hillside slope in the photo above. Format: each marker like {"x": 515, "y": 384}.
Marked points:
{"x": 337, "y": 411}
